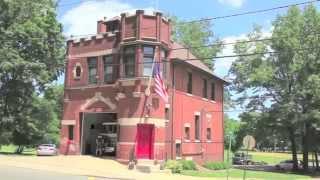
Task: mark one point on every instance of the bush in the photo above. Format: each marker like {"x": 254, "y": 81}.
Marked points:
{"x": 175, "y": 166}
{"x": 188, "y": 165}
{"x": 216, "y": 165}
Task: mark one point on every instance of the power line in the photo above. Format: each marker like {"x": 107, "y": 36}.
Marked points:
{"x": 255, "y": 11}
{"x": 213, "y": 57}
{"x": 225, "y": 16}
{"x": 228, "y": 56}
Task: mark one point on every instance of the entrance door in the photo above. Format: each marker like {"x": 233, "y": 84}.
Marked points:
{"x": 145, "y": 140}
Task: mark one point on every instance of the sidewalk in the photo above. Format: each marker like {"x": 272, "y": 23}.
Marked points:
{"x": 87, "y": 166}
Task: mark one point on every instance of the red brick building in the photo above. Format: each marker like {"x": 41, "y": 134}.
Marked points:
{"x": 105, "y": 81}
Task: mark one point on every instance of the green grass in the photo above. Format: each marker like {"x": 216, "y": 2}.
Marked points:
{"x": 237, "y": 173}
{"x": 271, "y": 158}
{"x": 11, "y": 149}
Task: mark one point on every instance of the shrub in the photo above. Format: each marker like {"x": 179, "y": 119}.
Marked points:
{"x": 188, "y": 165}
{"x": 216, "y": 165}
{"x": 174, "y": 166}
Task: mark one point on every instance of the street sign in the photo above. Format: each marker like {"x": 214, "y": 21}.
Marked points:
{"x": 249, "y": 142}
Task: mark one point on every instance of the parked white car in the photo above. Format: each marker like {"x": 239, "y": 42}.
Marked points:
{"x": 47, "y": 150}
{"x": 286, "y": 165}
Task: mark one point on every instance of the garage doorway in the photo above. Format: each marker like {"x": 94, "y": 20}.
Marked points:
{"x": 99, "y": 134}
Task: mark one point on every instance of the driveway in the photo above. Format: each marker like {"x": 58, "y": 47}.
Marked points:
{"x": 17, "y": 173}
{"x": 82, "y": 166}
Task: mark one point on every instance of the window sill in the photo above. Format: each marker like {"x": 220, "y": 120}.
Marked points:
{"x": 188, "y": 94}
{"x": 209, "y": 141}
{"x": 197, "y": 141}
{"x": 178, "y": 158}
{"x": 129, "y": 38}
{"x": 213, "y": 101}
{"x": 205, "y": 99}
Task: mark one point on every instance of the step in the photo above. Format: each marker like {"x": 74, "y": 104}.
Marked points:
{"x": 148, "y": 166}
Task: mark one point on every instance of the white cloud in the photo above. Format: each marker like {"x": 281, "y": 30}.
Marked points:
{"x": 233, "y": 3}
{"x": 83, "y": 18}
{"x": 222, "y": 65}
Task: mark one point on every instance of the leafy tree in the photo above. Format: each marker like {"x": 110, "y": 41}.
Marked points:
{"x": 196, "y": 35}
{"x": 54, "y": 93}
{"x": 41, "y": 121}
{"x": 231, "y": 129}
{"x": 31, "y": 56}
{"x": 284, "y": 84}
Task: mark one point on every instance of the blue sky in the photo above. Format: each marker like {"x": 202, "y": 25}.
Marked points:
{"x": 80, "y": 16}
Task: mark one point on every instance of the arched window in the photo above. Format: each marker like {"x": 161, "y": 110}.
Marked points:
{"x": 77, "y": 71}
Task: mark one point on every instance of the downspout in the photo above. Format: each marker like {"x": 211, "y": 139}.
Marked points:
{"x": 202, "y": 119}
{"x": 172, "y": 96}
{"x": 223, "y": 131}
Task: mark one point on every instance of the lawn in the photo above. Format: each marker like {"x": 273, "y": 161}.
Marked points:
{"x": 271, "y": 158}
{"x": 10, "y": 149}
{"x": 237, "y": 173}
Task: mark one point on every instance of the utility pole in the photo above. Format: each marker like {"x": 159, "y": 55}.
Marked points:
{"x": 228, "y": 155}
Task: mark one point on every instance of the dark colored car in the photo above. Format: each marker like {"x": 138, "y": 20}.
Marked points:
{"x": 241, "y": 159}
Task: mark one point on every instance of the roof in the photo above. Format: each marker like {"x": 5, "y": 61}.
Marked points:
{"x": 181, "y": 54}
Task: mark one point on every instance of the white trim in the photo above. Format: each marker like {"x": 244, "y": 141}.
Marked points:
{"x": 81, "y": 142}
{"x": 125, "y": 143}
{"x": 94, "y": 53}
{"x": 99, "y": 36}
{"x": 120, "y": 96}
{"x": 178, "y": 141}
{"x": 205, "y": 99}
{"x": 134, "y": 121}
{"x": 136, "y": 94}
{"x": 187, "y": 125}
{"x": 188, "y": 94}
{"x": 213, "y": 101}
{"x": 167, "y": 105}
{"x": 197, "y": 141}
{"x": 122, "y": 160}
{"x": 109, "y": 123}
{"x": 132, "y": 143}
{"x": 128, "y": 82}
{"x": 68, "y": 122}
{"x": 96, "y": 98}
{"x": 209, "y": 115}
{"x": 197, "y": 113}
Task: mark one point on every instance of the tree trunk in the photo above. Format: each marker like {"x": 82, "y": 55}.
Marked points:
{"x": 305, "y": 147}
{"x": 317, "y": 160}
{"x": 293, "y": 148}
{"x": 19, "y": 149}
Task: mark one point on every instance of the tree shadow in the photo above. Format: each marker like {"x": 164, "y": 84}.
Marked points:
{"x": 17, "y": 154}
{"x": 269, "y": 168}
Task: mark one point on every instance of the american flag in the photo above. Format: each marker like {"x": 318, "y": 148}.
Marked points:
{"x": 160, "y": 86}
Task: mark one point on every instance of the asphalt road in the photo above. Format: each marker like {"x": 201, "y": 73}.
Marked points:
{"x": 16, "y": 173}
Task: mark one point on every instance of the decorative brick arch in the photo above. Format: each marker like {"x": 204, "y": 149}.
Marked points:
{"x": 98, "y": 98}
